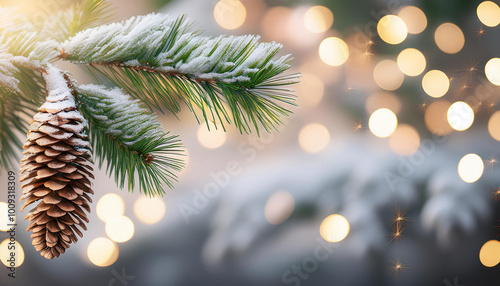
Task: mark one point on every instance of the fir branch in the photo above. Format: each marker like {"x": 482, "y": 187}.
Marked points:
{"x": 83, "y": 15}
{"x": 161, "y": 59}
{"x": 130, "y": 139}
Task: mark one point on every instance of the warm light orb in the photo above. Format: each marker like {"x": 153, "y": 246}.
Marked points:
{"x": 383, "y": 99}
{"x": 414, "y": 18}
{"x": 230, "y": 14}
{"x": 149, "y": 210}
{"x": 102, "y": 252}
{"x": 488, "y": 13}
{"x": 120, "y": 229}
{"x": 492, "y": 71}
{"x": 460, "y": 116}
{"x": 405, "y": 140}
{"x": 279, "y": 207}
{"x": 387, "y": 75}
{"x": 318, "y": 19}
{"x": 489, "y": 255}
{"x": 310, "y": 90}
{"x": 411, "y": 62}
{"x": 334, "y": 228}
{"x": 435, "y": 83}
{"x": 470, "y": 168}
{"x": 109, "y": 206}
{"x": 7, "y": 248}
{"x": 494, "y": 126}
{"x": 276, "y": 23}
{"x": 392, "y": 29}
{"x": 314, "y": 137}
{"x": 383, "y": 122}
{"x": 211, "y": 139}
{"x": 449, "y": 38}
{"x": 333, "y": 51}
{"x": 4, "y": 217}
{"x": 436, "y": 119}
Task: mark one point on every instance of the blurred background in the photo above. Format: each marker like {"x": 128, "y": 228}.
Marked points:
{"x": 387, "y": 173}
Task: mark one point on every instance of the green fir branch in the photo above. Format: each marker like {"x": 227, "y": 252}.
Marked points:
{"x": 162, "y": 60}
{"x": 130, "y": 139}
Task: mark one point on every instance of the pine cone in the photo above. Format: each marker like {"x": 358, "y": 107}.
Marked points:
{"x": 56, "y": 170}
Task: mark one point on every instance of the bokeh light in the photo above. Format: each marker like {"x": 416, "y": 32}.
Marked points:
{"x": 435, "y": 83}
{"x": 7, "y": 247}
{"x": 314, "y": 137}
{"x": 411, "y": 62}
{"x": 488, "y": 13}
{"x": 109, "y": 206}
{"x": 383, "y": 99}
{"x": 383, "y": 122}
{"x": 333, "y": 51}
{"x": 102, "y": 252}
{"x": 318, "y": 19}
{"x": 392, "y": 29}
{"x": 149, "y": 210}
{"x": 492, "y": 71}
{"x": 4, "y": 217}
{"x": 414, "y": 18}
{"x": 310, "y": 90}
{"x": 489, "y": 255}
{"x": 470, "y": 168}
{"x": 279, "y": 207}
{"x": 211, "y": 139}
{"x": 276, "y": 22}
{"x": 449, "y": 38}
{"x": 494, "y": 125}
{"x": 460, "y": 116}
{"x": 387, "y": 75}
{"x": 436, "y": 118}
{"x": 120, "y": 229}
{"x": 230, "y": 14}
{"x": 334, "y": 228}
{"x": 405, "y": 140}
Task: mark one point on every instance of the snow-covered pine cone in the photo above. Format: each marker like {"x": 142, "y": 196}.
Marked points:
{"x": 55, "y": 170}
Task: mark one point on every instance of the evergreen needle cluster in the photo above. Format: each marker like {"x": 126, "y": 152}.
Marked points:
{"x": 156, "y": 61}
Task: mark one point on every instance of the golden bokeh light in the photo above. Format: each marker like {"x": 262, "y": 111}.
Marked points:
{"x": 449, "y": 38}
{"x": 109, "y": 206}
{"x": 310, "y": 90}
{"x": 230, "y": 14}
{"x": 334, "y": 228}
{"x": 460, "y": 116}
{"x": 318, "y": 19}
{"x": 211, "y": 139}
{"x": 494, "y": 125}
{"x": 492, "y": 71}
{"x": 411, "y": 62}
{"x": 314, "y": 137}
{"x": 149, "y": 210}
{"x": 279, "y": 207}
{"x": 405, "y": 140}
{"x": 383, "y": 122}
{"x": 435, "y": 83}
{"x": 436, "y": 119}
{"x": 414, "y": 18}
{"x": 7, "y": 248}
{"x": 383, "y": 99}
{"x": 392, "y": 29}
{"x": 102, "y": 252}
{"x": 387, "y": 75}
{"x": 120, "y": 229}
{"x": 333, "y": 51}
{"x": 276, "y": 23}
{"x": 489, "y": 255}
{"x": 470, "y": 168}
{"x": 488, "y": 13}
{"x": 4, "y": 217}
